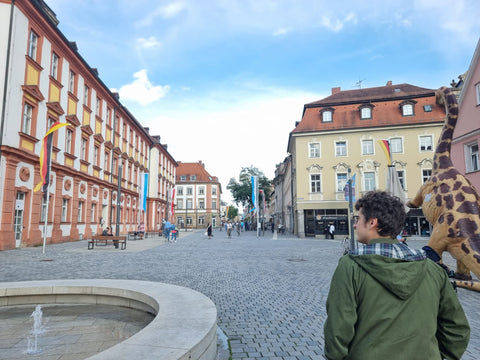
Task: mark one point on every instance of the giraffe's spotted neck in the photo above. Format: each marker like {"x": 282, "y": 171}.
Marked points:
{"x": 441, "y": 159}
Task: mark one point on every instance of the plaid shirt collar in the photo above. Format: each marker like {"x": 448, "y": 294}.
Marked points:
{"x": 389, "y": 248}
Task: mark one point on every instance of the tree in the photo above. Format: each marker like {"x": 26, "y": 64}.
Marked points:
{"x": 242, "y": 190}
{"x": 232, "y": 212}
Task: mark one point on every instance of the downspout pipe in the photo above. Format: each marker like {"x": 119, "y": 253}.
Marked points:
{"x": 7, "y": 67}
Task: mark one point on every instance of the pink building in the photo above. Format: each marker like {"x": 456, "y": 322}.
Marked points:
{"x": 466, "y": 136}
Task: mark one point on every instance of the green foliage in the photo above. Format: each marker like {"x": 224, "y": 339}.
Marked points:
{"x": 242, "y": 190}
{"x": 232, "y": 212}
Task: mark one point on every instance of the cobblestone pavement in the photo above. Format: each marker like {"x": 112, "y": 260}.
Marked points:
{"x": 270, "y": 293}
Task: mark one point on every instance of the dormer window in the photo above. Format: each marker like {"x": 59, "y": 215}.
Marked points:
{"x": 365, "y": 111}
{"x": 183, "y": 177}
{"x": 193, "y": 177}
{"x": 408, "y": 108}
{"x": 327, "y": 115}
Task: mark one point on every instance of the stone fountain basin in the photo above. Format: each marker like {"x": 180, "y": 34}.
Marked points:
{"x": 184, "y": 326}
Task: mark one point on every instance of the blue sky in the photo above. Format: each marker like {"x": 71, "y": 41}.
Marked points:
{"x": 224, "y": 81}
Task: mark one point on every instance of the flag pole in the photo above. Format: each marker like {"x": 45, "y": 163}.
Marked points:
{"x": 47, "y": 194}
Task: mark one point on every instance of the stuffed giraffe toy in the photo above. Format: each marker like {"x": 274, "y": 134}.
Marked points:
{"x": 450, "y": 202}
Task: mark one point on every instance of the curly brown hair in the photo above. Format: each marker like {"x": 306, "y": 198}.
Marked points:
{"x": 387, "y": 209}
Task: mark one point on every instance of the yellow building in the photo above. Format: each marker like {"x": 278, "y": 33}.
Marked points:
{"x": 339, "y": 136}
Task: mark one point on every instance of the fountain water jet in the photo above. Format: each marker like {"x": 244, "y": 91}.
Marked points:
{"x": 36, "y": 331}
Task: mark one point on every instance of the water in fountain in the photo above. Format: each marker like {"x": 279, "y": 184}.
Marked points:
{"x": 36, "y": 331}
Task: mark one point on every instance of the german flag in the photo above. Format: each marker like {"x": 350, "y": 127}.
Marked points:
{"x": 384, "y": 144}
{"x": 46, "y": 158}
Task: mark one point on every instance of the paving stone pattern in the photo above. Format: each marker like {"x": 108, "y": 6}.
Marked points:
{"x": 270, "y": 293}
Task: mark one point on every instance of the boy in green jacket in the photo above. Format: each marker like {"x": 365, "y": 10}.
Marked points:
{"x": 388, "y": 301}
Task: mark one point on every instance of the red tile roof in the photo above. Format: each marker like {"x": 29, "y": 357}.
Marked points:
{"x": 386, "y": 102}
{"x": 197, "y": 169}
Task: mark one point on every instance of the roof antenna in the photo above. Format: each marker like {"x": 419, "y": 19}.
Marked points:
{"x": 358, "y": 84}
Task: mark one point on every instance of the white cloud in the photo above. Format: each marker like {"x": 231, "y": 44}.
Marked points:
{"x": 149, "y": 43}
{"x": 141, "y": 90}
{"x": 281, "y": 31}
{"x": 168, "y": 11}
{"x": 335, "y": 24}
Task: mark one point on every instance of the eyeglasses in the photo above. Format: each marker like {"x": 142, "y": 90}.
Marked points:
{"x": 355, "y": 219}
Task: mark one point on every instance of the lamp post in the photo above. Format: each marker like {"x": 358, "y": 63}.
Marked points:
{"x": 350, "y": 207}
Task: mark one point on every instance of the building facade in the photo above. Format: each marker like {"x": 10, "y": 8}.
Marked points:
{"x": 337, "y": 138}
{"x": 197, "y": 197}
{"x": 99, "y": 160}
{"x": 466, "y": 136}
{"x": 282, "y": 195}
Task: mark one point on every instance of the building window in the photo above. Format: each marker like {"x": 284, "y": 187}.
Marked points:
{"x": 71, "y": 82}
{"x": 214, "y": 204}
{"x": 189, "y": 190}
{"x": 32, "y": 46}
{"x": 189, "y": 204}
{"x": 201, "y": 204}
{"x": 471, "y": 157}
{"x": 54, "y": 69}
{"x": 27, "y": 119}
{"x": 396, "y": 145}
{"x": 93, "y": 212}
{"x": 193, "y": 177}
{"x": 201, "y": 220}
{"x": 180, "y": 190}
{"x": 64, "y": 210}
{"x": 214, "y": 190}
{"x": 369, "y": 181}
{"x": 315, "y": 183}
{"x": 80, "y": 211}
{"x": 427, "y": 108}
{"x": 96, "y": 151}
{"x": 201, "y": 191}
{"x": 105, "y": 161}
{"x": 407, "y": 110}
{"x": 341, "y": 148}
{"x": 86, "y": 95}
{"x": 426, "y": 173}
{"x": 43, "y": 215}
{"x": 401, "y": 178}
{"x": 98, "y": 107}
{"x": 179, "y": 204}
{"x": 83, "y": 154}
{"x": 341, "y": 181}
{"x": 314, "y": 150}
{"x": 183, "y": 177}
{"x": 426, "y": 143}
{"x": 477, "y": 90}
{"x": 180, "y": 221}
{"x": 68, "y": 141}
{"x": 367, "y": 147}
{"x": 327, "y": 116}
{"x": 365, "y": 113}
{"x": 189, "y": 220}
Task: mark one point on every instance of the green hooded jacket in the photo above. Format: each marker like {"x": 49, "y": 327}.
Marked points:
{"x": 401, "y": 307}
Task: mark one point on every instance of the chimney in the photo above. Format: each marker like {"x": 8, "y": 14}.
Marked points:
{"x": 336, "y": 90}
{"x": 389, "y": 83}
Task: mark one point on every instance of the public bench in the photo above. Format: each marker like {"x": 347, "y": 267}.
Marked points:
{"x": 104, "y": 240}
{"x": 134, "y": 235}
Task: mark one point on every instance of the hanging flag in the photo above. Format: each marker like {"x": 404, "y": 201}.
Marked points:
{"x": 345, "y": 189}
{"x": 254, "y": 193}
{"x": 172, "y": 199}
{"x": 384, "y": 144}
{"x": 46, "y": 158}
{"x": 143, "y": 191}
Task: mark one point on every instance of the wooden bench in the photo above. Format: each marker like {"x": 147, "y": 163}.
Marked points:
{"x": 134, "y": 235}
{"x": 104, "y": 240}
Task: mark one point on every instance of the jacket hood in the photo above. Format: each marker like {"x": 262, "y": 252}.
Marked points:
{"x": 401, "y": 275}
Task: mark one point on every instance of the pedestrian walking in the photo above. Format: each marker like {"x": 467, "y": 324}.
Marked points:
{"x": 331, "y": 230}
{"x": 209, "y": 230}
{"x": 388, "y": 301}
